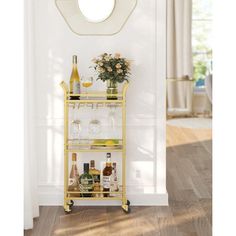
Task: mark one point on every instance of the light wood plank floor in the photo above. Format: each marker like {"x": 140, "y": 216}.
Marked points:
{"x": 189, "y": 213}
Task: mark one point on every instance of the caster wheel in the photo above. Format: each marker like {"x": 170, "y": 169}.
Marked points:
{"x": 67, "y": 210}
{"x": 71, "y": 204}
{"x": 68, "y": 206}
{"x": 126, "y": 209}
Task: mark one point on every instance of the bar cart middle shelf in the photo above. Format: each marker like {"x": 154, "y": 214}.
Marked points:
{"x": 72, "y": 146}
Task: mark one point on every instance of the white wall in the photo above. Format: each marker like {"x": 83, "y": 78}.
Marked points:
{"x": 143, "y": 40}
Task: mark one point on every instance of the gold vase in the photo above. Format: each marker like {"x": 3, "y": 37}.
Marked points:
{"x": 112, "y": 89}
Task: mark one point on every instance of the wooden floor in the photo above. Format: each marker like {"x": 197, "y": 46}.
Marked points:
{"x": 189, "y": 213}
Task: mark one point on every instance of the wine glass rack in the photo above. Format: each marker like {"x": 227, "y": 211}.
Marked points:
{"x": 89, "y": 99}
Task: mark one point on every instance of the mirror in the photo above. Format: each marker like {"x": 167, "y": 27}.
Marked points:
{"x": 96, "y": 11}
{"x": 96, "y": 17}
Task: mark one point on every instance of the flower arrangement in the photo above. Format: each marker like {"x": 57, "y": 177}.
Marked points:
{"x": 114, "y": 68}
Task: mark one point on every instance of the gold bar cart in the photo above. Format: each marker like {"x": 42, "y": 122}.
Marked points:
{"x": 88, "y": 99}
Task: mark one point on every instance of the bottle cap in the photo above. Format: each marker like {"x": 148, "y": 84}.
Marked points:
{"x": 86, "y": 167}
{"x": 108, "y": 154}
{"x": 92, "y": 163}
{"x": 74, "y": 156}
{"x": 74, "y": 59}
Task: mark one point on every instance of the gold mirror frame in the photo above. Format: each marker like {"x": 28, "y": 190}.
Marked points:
{"x": 76, "y": 21}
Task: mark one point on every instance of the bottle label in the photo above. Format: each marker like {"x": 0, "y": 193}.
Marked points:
{"x": 72, "y": 182}
{"x": 96, "y": 178}
{"x": 76, "y": 87}
{"x": 86, "y": 185}
{"x": 106, "y": 181}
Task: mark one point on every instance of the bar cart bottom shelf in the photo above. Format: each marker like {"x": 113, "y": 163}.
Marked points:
{"x": 70, "y": 203}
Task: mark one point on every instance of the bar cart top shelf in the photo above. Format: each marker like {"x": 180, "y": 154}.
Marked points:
{"x": 95, "y": 96}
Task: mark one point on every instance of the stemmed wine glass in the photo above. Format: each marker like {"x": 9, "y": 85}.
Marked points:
{"x": 75, "y": 126}
{"x": 86, "y": 83}
{"x": 94, "y": 124}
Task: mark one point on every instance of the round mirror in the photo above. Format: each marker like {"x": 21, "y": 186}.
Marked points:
{"x": 96, "y": 10}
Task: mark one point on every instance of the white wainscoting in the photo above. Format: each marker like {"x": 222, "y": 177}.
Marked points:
{"x": 143, "y": 39}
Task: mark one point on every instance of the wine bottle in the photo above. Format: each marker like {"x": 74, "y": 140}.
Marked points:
{"x": 107, "y": 171}
{"x": 74, "y": 80}
{"x": 73, "y": 178}
{"x": 86, "y": 182}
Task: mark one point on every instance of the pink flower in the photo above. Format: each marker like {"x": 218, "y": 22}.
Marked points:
{"x": 117, "y": 55}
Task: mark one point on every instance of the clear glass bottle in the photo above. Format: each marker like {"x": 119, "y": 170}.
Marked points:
{"x": 114, "y": 180}
{"x": 107, "y": 171}
{"x": 86, "y": 182}
{"x": 74, "y": 80}
{"x": 74, "y": 175}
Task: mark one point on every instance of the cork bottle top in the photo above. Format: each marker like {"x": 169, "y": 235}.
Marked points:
{"x": 74, "y": 59}
{"x": 86, "y": 167}
{"x": 74, "y": 156}
{"x": 92, "y": 163}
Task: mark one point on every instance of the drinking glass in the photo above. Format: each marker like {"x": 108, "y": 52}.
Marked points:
{"x": 75, "y": 129}
{"x": 86, "y": 83}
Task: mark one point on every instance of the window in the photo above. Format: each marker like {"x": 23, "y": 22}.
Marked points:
{"x": 201, "y": 40}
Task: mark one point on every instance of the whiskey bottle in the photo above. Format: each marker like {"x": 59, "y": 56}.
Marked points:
{"x": 74, "y": 175}
{"x": 74, "y": 80}
{"x": 94, "y": 172}
{"x": 114, "y": 180}
{"x": 107, "y": 171}
{"x": 96, "y": 177}
{"x": 86, "y": 182}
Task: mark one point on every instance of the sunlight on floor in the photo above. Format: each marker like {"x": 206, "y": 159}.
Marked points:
{"x": 179, "y": 136}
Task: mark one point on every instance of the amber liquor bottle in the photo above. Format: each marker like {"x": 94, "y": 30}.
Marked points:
{"x": 96, "y": 177}
{"x": 107, "y": 171}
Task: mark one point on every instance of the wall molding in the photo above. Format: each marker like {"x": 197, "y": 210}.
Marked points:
{"x": 155, "y": 199}
{"x": 51, "y": 194}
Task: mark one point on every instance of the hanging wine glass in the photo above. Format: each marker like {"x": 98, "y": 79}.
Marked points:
{"x": 75, "y": 126}
{"x": 112, "y": 119}
{"x": 94, "y": 125}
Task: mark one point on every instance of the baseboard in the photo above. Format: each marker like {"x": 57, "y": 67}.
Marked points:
{"x": 51, "y": 198}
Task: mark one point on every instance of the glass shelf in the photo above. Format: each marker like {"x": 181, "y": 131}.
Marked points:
{"x": 76, "y": 195}
{"x": 95, "y": 145}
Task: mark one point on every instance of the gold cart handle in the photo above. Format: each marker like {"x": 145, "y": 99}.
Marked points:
{"x": 125, "y": 87}
{"x": 64, "y": 87}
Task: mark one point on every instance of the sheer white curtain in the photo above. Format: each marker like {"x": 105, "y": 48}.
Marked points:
{"x": 179, "y": 56}
{"x": 31, "y": 208}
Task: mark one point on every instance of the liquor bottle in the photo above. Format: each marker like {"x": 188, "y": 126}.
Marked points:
{"x": 86, "y": 182}
{"x": 96, "y": 188}
{"x": 74, "y": 175}
{"x": 107, "y": 171}
{"x": 96, "y": 177}
{"x": 94, "y": 172}
{"x": 74, "y": 80}
{"x": 114, "y": 180}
